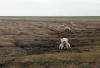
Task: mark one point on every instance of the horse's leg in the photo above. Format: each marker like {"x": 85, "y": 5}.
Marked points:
{"x": 67, "y": 45}
{"x": 61, "y": 46}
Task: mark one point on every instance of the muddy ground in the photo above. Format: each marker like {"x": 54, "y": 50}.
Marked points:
{"x": 33, "y": 37}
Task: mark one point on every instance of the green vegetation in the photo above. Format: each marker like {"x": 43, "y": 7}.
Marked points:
{"x": 51, "y": 18}
{"x": 55, "y": 60}
{"x": 59, "y": 57}
{"x": 54, "y": 57}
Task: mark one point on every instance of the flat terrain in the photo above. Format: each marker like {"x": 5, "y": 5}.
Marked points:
{"x": 33, "y": 41}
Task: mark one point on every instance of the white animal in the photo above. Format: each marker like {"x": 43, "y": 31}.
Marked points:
{"x": 73, "y": 23}
{"x": 75, "y": 26}
{"x": 66, "y": 27}
{"x": 64, "y": 42}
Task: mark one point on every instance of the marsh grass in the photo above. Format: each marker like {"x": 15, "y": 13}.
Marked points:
{"x": 60, "y": 57}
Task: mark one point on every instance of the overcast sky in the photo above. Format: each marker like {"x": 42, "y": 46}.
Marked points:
{"x": 49, "y": 7}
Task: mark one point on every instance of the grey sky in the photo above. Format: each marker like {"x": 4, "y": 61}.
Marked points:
{"x": 50, "y": 8}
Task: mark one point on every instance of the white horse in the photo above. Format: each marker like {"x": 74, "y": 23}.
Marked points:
{"x": 66, "y": 27}
{"x": 73, "y": 24}
{"x": 64, "y": 42}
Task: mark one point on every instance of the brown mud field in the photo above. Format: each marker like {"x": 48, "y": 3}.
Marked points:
{"x": 31, "y": 43}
